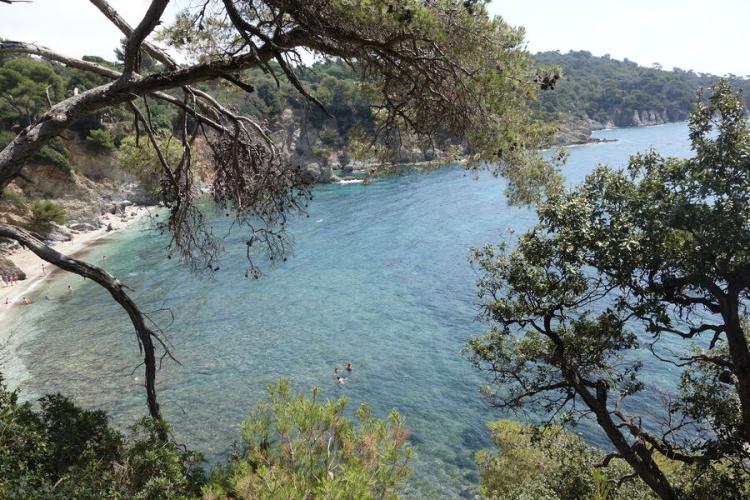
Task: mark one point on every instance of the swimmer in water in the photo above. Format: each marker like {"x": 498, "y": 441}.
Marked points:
{"x": 347, "y": 368}
{"x": 340, "y": 379}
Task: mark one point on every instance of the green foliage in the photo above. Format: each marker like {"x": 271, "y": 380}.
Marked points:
{"x": 320, "y": 154}
{"x": 298, "y": 447}
{"x": 63, "y": 451}
{"x": 608, "y": 90}
{"x": 101, "y": 140}
{"x": 419, "y": 101}
{"x": 660, "y": 249}
{"x": 13, "y": 197}
{"x": 6, "y": 137}
{"x": 54, "y": 152}
{"x": 140, "y": 157}
{"x": 46, "y": 211}
{"x": 25, "y": 85}
{"x": 549, "y": 463}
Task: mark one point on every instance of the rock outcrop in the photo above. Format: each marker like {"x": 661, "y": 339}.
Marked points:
{"x": 7, "y": 268}
{"x": 55, "y": 232}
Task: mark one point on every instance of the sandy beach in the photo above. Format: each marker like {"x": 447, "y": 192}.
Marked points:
{"x": 37, "y": 276}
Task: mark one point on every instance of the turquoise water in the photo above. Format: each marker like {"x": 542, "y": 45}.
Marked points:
{"x": 379, "y": 277}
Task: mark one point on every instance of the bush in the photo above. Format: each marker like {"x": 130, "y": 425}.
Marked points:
{"x": 536, "y": 463}
{"x": 54, "y": 152}
{"x": 295, "y": 447}
{"x": 62, "y": 451}
{"x": 100, "y": 140}
{"x": 46, "y": 211}
{"x": 5, "y": 138}
{"x": 141, "y": 159}
{"x": 13, "y": 197}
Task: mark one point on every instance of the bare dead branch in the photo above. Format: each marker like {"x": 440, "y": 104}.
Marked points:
{"x": 144, "y": 335}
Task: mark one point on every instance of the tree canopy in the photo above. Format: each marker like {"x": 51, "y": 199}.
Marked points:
{"x": 624, "y": 262}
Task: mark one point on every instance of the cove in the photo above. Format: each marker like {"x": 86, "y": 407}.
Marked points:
{"x": 379, "y": 277}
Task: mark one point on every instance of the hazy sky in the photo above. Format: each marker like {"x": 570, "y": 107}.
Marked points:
{"x": 706, "y": 36}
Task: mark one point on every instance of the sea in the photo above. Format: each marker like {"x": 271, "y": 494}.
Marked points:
{"x": 379, "y": 277}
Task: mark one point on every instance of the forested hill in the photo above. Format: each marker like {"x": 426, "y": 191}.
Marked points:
{"x": 622, "y": 93}
{"x": 594, "y": 92}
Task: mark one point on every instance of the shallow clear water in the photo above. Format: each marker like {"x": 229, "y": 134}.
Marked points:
{"x": 379, "y": 277}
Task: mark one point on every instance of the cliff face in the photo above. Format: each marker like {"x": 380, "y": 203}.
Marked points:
{"x": 577, "y": 130}
{"x": 321, "y": 152}
{"x": 95, "y": 184}
{"x": 647, "y": 117}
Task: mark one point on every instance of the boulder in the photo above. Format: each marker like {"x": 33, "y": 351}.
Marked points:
{"x": 311, "y": 172}
{"x": 326, "y": 175}
{"x": 56, "y": 232}
{"x": 7, "y": 267}
{"x": 83, "y": 227}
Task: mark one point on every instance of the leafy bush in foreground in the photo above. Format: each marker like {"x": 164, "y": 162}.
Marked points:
{"x": 292, "y": 447}
{"x": 298, "y": 447}
{"x": 62, "y": 451}
{"x": 550, "y": 463}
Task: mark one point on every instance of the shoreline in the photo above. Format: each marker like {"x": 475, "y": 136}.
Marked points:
{"x": 29, "y": 263}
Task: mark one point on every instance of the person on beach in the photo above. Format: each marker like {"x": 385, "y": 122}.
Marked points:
{"x": 5, "y": 281}
{"x": 6, "y": 301}
{"x": 13, "y": 279}
{"x": 26, "y": 301}
{"x": 42, "y": 268}
{"x": 70, "y": 289}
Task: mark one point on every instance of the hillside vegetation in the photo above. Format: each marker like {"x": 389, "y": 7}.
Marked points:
{"x": 622, "y": 93}
{"x": 594, "y": 92}
{"x": 602, "y": 91}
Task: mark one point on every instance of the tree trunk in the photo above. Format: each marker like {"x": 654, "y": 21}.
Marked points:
{"x": 740, "y": 355}
{"x": 637, "y": 456}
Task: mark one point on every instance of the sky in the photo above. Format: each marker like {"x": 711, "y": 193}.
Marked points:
{"x": 705, "y": 36}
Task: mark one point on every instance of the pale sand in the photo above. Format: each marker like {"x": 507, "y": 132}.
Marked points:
{"x": 32, "y": 265}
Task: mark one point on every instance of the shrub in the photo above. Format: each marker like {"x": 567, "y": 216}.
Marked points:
{"x": 100, "y": 140}
{"x": 46, "y": 211}
{"x": 55, "y": 153}
{"x": 321, "y": 154}
{"x": 49, "y": 155}
{"x": 6, "y": 137}
{"x": 295, "y": 447}
{"x": 13, "y": 197}
{"x": 141, "y": 159}
{"x": 536, "y": 463}
{"x": 62, "y": 451}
